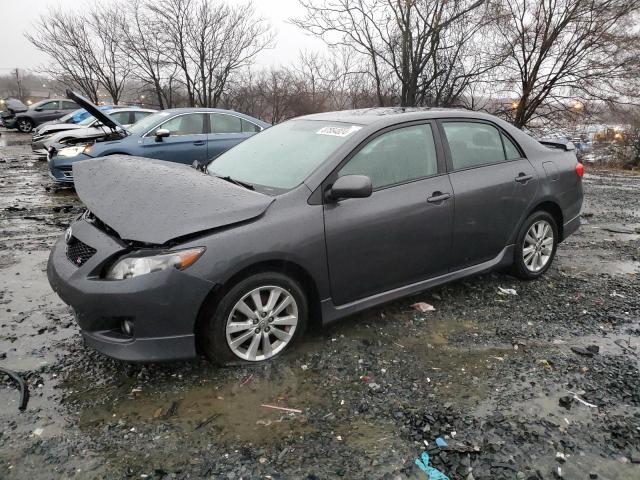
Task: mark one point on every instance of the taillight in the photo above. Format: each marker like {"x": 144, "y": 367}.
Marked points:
{"x": 579, "y": 170}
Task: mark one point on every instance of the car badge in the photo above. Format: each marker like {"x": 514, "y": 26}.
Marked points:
{"x": 68, "y": 235}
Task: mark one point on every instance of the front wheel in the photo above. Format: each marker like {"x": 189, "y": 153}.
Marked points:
{"x": 535, "y": 246}
{"x": 256, "y": 320}
{"x": 25, "y": 125}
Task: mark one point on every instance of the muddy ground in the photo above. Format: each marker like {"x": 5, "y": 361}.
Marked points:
{"x": 493, "y": 375}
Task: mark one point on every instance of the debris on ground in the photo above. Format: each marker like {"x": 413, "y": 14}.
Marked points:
{"x": 507, "y": 291}
{"x": 22, "y": 386}
{"x": 423, "y": 307}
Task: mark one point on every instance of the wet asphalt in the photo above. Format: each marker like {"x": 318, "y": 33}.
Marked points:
{"x": 539, "y": 385}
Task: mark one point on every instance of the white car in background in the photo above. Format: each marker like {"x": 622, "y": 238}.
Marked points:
{"x": 88, "y": 128}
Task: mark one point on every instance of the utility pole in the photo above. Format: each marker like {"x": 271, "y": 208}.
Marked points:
{"x": 19, "y": 82}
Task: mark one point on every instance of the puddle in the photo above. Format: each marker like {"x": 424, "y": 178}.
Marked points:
{"x": 34, "y": 320}
{"x": 597, "y": 262}
{"x": 233, "y": 411}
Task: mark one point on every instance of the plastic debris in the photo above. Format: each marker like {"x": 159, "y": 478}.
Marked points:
{"x": 577, "y": 398}
{"x": 22, "y": 385}
{"x": 423, "y": 307}
{"x": 507, "y": 291}
{"x": 432, "y": 473}
{"x": 284, "y": 409}
{"x": 441, "y": 442}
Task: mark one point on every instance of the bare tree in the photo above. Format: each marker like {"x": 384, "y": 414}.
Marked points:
{"x": 559, "y": 52}
{"x": 400, "y": 38}
{"x": 65, "y": 38}
{"x": 84, "y": 49}
{"x": 142, "y": 43}
{"x": 209, "y": 41}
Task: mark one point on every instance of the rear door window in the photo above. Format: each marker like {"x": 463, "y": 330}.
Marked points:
{"x": 120, "y": 117}
{"x": 395, "y": 157}
{"x": 137, "y": 116}
{"x": 221, "y": 123}
{"x": 510, "y": 150}
{"x": 248, "y": 127}
{"x": 473, "y": 144}
{"x": 66, "y": 105}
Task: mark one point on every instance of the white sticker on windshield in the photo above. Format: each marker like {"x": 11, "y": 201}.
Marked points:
{"x": 338, "y": 131}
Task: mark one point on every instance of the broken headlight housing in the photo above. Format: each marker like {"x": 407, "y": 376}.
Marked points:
{"x": 74, "y": 151}
{"x": 142, "y": 263}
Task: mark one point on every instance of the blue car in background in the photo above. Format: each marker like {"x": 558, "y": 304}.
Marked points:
{"x": 181, "y": 135}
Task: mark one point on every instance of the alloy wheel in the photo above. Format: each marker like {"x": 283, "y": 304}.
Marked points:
{"x": 25, "y": 126}
{"x": 537, "y": 246}
{"x": 262, "y": 323}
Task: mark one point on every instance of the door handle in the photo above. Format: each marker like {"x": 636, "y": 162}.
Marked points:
{"x": 199, "y": 142}
{"x": 522, "y": 178}
{"x": 437, "y": 197}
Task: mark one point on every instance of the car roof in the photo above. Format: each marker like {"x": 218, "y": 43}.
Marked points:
{"x": 129, "y": 109}
{"x": 392, "y": 115}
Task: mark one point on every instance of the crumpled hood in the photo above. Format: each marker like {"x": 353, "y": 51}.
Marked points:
{"x": 77, "y": 135}
{"x": 58, "y": 127}
{"x": 154, "y": 201}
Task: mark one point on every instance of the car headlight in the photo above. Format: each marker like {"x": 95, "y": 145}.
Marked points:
{"x": 74, "y": 151}
{"x": 142, "y": 263}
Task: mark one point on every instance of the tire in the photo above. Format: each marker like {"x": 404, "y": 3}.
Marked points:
{"x": 536, "y": 246}
{"x": 244, "y": 342}
{"x": 25, "y": 125}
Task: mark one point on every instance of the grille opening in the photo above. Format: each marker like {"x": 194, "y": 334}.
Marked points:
{"x": 78, "y": 252}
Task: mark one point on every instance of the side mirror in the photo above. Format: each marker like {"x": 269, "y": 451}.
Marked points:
{"x": 162, "y": 133}
{"x": 351, "y": 186}
{"x": 38, "y": 109}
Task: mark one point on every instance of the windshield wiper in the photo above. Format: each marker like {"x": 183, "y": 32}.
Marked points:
{"x": 246, "y": 185}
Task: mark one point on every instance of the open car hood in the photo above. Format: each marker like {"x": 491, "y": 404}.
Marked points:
{"x": 15, "y": 105}
{"x": 95, "y": 111}
{"x": 154, "y": 201}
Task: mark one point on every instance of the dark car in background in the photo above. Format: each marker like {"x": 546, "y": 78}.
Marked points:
{"x": 320, "y": 216}
{"x": 87, "y": 129}
{"x": 182, "y": 135}
{"x": 46, "y": 110}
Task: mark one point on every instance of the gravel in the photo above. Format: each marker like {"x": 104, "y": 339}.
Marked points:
{"x": 539, "y": 385}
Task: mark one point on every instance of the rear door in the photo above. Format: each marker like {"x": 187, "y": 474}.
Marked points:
{"x": 399, "y": 235}
{"x": 493, "y": 185}
{"x": 187, "y": 140}
{"x": 67, "y": 106}
{"x": 227, "y": 130}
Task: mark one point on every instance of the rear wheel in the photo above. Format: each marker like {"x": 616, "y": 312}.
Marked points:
{"x": 256, "y": 320}
{"x": 535, "y": 246}
{"x": 25, "y": 125}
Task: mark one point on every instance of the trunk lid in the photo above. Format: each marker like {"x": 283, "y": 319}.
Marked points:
{"x": 154, "y": 201}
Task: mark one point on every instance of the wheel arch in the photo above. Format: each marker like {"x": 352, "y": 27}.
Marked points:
{"x": 553, "y": 209}
{"x": 286, "y": 267}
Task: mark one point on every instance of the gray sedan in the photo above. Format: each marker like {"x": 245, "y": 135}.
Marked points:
{"x": 311, "y": 220}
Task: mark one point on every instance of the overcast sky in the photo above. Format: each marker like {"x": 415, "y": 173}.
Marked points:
{"x": 18, "y": 15}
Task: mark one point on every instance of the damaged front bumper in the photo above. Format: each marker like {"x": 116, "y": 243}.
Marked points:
{"x": 162, "y": 307}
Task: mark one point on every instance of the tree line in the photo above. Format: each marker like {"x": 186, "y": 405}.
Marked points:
{"x": 528, "y": 60}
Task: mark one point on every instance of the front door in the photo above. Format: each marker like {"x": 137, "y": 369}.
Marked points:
{"x": 186, "y": 142}
{"x": 493, "y": 186}
{"x": 401, "y": 234}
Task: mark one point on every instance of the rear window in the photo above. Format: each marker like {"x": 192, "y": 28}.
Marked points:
{"x": 473, "y": 144}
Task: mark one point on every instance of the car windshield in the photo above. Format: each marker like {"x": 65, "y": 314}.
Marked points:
{"x": 281, "y": 157}
{"x": 147, "y": 123}
{"x": 87, "y": 121}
